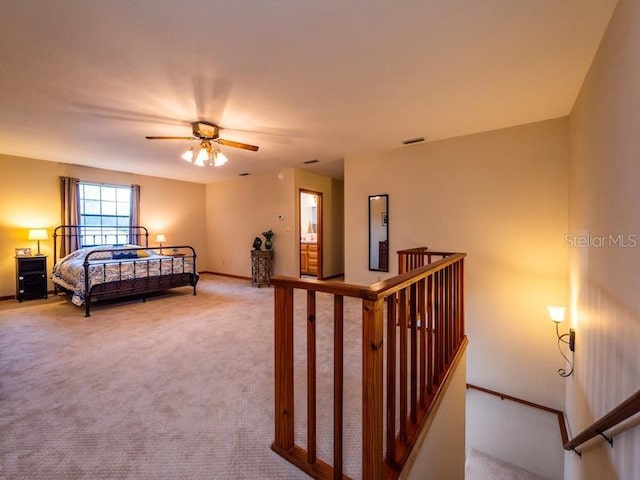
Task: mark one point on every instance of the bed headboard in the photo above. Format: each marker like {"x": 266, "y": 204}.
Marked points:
{"x": 72, "y": 237}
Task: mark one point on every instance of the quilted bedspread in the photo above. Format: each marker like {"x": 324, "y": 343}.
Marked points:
{"x": 109, "y": 265}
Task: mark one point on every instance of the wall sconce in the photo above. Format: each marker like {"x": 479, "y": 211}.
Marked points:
{"x": 557, "y": 315}
{"x": 160, "y": 239}
{"x": 38, "y": 234}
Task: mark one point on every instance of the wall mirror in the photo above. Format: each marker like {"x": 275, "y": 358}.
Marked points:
{"x": 379, "y": 232}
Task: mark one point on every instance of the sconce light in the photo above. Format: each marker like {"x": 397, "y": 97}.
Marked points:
{"x": 557, "y": 315}
{"x": 38, "y": 234}
{"x": 160, "y": 238}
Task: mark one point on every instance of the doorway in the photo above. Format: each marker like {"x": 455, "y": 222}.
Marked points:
{"x": 310, "y": 233}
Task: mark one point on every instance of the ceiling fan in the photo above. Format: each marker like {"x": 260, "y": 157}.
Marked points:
{"x": 205, "y": 154}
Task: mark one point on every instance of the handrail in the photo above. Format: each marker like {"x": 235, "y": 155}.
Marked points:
{"x": 375, "y": 291}
{"x": 622, "y": 412}
{"x": 619, "y": 414}
{"x": 413, "y": 322}
{"x": 558, "y": 413}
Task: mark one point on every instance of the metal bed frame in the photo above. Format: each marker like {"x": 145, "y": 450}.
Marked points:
{"x": 124, "y": 287}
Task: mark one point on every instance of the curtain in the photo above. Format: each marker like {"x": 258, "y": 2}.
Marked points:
{"x": 134, "y": 217}
{"x": 69, "y": 214}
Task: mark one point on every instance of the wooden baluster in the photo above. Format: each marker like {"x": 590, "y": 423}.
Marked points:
{"x": 391, "y": 379}
{"x": 429, "y": 326}
{"x": 413, "y": 398}
{"x": 456, "y": 306}
{"x": 423, "y": 329}
{"x": 447, "y": 315}
{"x": 338, "y": 384}
{"x": 454, "y": 319}
{"x": 461, "y": 299}
{"x": 284, "y": 414}
{"x": 311, "y": 377}
{"x": 443, "y": 324}
{"x": 402, "y": 316}
{"x": 372, "y": 388}
{"x": 450, "y": 313}
{"x": 438, "y": 328}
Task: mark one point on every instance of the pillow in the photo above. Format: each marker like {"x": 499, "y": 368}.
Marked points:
{"x": 143, "y": 253}
{"x": 124, "y": 255}
{"x": 100, "y": 255}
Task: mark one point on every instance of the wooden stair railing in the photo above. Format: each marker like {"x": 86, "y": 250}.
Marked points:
{"x": 619, "y": 414}
{"x": 424, "y": 310}
{"x": 503, "y": 396}
{"x": 413, "y": 258}
{"x": 627, "y": 409}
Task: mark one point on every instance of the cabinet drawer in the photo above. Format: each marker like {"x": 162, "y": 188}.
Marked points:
{"x": 312, "y": 247}
{"x": 32, "y": 265}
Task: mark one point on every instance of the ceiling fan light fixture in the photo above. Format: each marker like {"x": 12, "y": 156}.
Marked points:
{"x": 219, "y": 159}
{"x": 188, "y": 155}
{"x": 202, "y": 156}
{"x": 205, "y": 154}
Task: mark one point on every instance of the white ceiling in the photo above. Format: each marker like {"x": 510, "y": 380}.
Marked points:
{"x": 83, "y": 81}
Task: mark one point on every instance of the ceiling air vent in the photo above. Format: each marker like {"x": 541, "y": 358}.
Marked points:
{"x": 411, "y": 141}
{"x": 244, "y": 174}
{"x": 309, "y": 162}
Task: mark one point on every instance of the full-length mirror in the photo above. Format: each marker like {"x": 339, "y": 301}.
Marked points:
{"x": 379, "y": 233}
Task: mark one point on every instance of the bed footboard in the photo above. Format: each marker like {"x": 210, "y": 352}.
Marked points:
{"x": 179, "y": 276}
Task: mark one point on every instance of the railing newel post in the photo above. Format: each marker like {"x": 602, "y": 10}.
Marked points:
{"x": 372, "y": 389}
{"x": 402, "y": 316}
{"x": 283, "y": 366}
{"x": 391, "y": 378}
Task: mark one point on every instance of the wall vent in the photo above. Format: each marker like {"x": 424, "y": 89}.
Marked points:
{"x": 413, "y": 140}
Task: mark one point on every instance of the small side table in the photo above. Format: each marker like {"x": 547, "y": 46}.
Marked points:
{"x": 31, "y": 277}
{"x": 261, "y": 261}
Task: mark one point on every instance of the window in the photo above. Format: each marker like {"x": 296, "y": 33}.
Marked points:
{"x": 105, "y": 213}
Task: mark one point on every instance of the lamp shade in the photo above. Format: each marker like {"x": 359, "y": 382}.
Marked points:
{"x": 38, "y": 234}
{"x": 220, "y": 159}
{"x": 188, "y": 155}
{"x": 160, "y": 238}
{"x": 556, "y": 313}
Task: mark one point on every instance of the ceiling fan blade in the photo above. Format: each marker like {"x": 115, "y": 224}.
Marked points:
{"x": 231, "y": 143}
{"x": 171, "y": 138}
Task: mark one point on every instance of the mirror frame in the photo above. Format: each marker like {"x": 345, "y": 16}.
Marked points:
{"x": 383, "y": 221}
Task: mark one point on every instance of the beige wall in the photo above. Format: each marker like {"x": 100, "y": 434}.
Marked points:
{"x": 241, "y": 209}
{"x": 501, "y": 197}
{"x": 440, "y": 453}
{"x": 605, "y": 276}
{"x": 30, "y": 197}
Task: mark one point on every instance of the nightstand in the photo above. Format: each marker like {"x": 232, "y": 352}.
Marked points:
{"x": 261, "y": 267}
{"x": 31, "y": 277}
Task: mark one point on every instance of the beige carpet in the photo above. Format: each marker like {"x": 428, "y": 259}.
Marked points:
{"x": 177, "y": 387}
{"x": 480, "y": 466}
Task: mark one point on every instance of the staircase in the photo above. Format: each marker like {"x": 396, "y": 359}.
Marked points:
{"x": 480, "y": 466}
